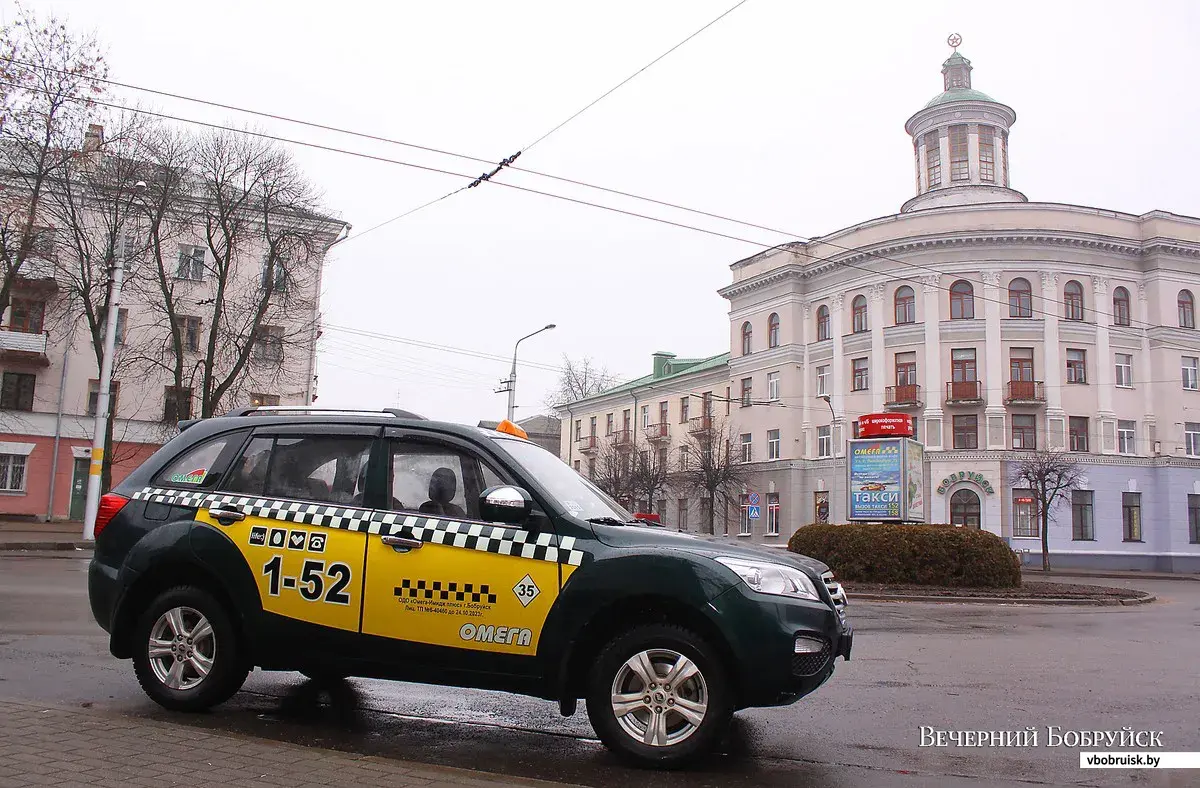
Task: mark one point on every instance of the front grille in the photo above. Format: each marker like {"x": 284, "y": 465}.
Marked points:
{"x": 836, "y": 593}
{"x": 808, "y": 664}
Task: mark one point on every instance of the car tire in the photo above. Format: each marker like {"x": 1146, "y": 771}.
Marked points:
{"x": 653, "y": 723}
{"x": 186, "y": 651}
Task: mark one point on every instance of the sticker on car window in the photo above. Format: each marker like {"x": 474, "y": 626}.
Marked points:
{"x": 191, "y": 477}
{"x": 572, "y": 507}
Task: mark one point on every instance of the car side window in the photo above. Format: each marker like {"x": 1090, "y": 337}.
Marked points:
{"x": 437, "y": 480}
{"x": 321, "y": 468}
{"x": 194, "y": 467}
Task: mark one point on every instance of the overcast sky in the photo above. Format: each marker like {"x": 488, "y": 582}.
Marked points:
{"x": 789, "y": 114}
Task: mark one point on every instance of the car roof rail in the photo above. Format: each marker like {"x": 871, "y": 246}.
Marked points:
{"x": 304, "y": 410}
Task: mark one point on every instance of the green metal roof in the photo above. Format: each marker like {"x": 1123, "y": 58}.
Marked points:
{"x": 678, "y": 370}
{"x": 959, "y": 94}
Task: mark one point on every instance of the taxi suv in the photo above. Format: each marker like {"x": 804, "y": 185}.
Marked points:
{"x": 385, "y": 545}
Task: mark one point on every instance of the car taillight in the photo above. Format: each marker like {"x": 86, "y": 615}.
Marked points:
{"x": 110, "y": 504}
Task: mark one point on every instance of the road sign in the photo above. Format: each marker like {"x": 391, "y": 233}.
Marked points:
{"x": 754, "y": 512}
{"x": 753, "y": 499}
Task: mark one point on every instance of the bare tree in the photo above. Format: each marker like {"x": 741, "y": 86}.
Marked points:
{"x": 1051, "y": 476}
{"x": 713, "y": 469}
{"x": 578, "y": 380}
{"x": 48, "y": 83}
{"x": 614, "y": 468}
{"x": 652, "y": 474}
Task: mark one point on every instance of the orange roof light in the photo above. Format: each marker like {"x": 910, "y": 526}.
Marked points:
{"x": 509, "y": 428}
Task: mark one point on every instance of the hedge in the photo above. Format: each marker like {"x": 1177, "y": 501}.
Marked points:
{"x": 934, "y": 555}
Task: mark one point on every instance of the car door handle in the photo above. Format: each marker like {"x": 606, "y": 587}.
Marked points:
{"x": 402, "y": 545}
{"x": 226, "y": 516}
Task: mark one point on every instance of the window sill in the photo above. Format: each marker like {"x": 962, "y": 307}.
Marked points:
{"x": 1133, "y": 541}
{"x": 744, "y": 536}
{"x": 1119, "y": 386}
{"x": 13, "y": 493}
{"x": 1090, "y": 539}
{"x": 771, "y": 536}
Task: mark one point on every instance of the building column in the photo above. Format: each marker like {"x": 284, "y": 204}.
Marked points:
{"x": 993, "y": 362}
{"x": 878, "y": 356}
{"x": 973, "y": 152}
{"x": 840, "y": 378}
{"x": 1104, "y": 360}
{"x": 1055, "y": 416}
{"x": 944, "y": 148}
{"x": 805, "y": 438}
{"x": 934, "y": 383}
{"x": 1146, "y": 371}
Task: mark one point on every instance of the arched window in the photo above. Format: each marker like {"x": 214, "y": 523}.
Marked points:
{"x": 1187, "y": 309}
{"x": 1073, "y": 301}
{"x": 964, "y": 509}
{"x": 962, "y": 301}
{"x": 773, "y": 330}
{"x": 858, "y": 307}
{"x": 747, "y": 338}
{"x": 906, "y": 305}
{"x": 1020, "y": 298}
{"x": 1121, "y": 307}
{"x": 822, "y": 323}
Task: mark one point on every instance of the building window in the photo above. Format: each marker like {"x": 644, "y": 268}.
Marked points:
{"x": 17, "y": 391}
{"x": 773, "y": 445}
{"x": 747, "y": 338}
{"x": 773, "y": 386}
{"x": 578, "y": 429}
{"x": 1121, "y": 307}
{"x": 1020, "y": 364}
{"x": 1194, "y": 519}
{"x": 747, "y": 447}
{"x": 1025, "y": 521}
{"x": 987, "y": 154}
{"x": 1190, "y": 364}
{"x": 683, "y": 409}
{"x": 189, "y": 332}
{"x": 1004, "y": 156}
{"x": 26, "y": 316}
{"x": 1024, "y": 431}
{"x": 728, "y": 400}
{"x": 1083, "y": 528}
{"x": 747, "y": 389}
{"x": 744, "y": 518}
{"x": 1020, "y": 298}
{"x": 1131, "y": 516}
{"x": 1191, "y": 438}
{"x": 773, "y": 330}
{"x": 858, "y": 309}
{"x": 191, "y": 263}
{"x": 577, "y": 467}
{"x": 280, "y": 279}
{"x": 268, "y": 343}
{"x": 625, "y": 419}
{"x": 862, "y": 377}
{"x": 592, "y": 425}
{"x": 906, "y": 370}
{"x": 114, "y": 390}
{"x": 12, "y": 472}
{"x": 966, "y": 432}
{"x": 962, "y": 300}
{"x": 965, "y": 509}
{"x": 962, "y": 365}
{"x": 1125, "y": 370}
{"x": 825, "y": 441}
{"x": 822, "y": 323}
{"x": 591, "y": 467}
{"x": 823, "y": 381}
{"x": 1076, "y": 366}
{"x": 681, "y": 515}
{"x": 906, "y": 305}
{"x": 1077, "y": 433}
{"x": 119, "y": 329}
{"x": 664, "y": 414}
{"x": 177, "y": 404}
{"x": 609, "y": 424}
{"x": 1187, "y": 309}
{"x": 1126, "y": 434}
{"x": 684, "y": 457}
{"x": 645, "y": 416}
{"x": 1073, "y": 301}
{"x": 933, "y": 159}
{"x": 264, "y": 400}
{"x": 959, "y": 166}
{"x": 772, "y": 514}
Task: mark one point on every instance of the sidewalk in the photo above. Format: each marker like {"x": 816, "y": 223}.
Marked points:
{"x": 26, "y": 535}
{"x": 1029, "y": 573}
{"x": 55, "y": 746}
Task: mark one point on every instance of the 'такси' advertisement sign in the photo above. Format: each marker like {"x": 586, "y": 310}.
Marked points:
{"x": 876, "y": 479}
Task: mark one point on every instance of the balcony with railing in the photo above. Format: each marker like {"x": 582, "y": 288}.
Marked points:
{"x": 588, "y": 444}
{"x": 699, "y": 424}
{"x": 623, "y": 439}
{"x": 24, "y": 348}
{"x": 1025, "y": 392}
{"x": 964, "y": 392}
{"x": 903, "y": 397}
{"x": 658, "y": 433}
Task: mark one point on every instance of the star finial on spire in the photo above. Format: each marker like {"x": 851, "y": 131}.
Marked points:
{"x": 954, "y": 40}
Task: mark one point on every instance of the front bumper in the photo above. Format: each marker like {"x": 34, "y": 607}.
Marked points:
{"x": 763, "y": 632}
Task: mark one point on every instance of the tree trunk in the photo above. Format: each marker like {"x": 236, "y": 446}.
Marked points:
{"x": 1045, "y": 539}
{"x": 712, "y": 514}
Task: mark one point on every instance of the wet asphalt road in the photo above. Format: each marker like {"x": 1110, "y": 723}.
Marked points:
{"x": 946, "y": 666}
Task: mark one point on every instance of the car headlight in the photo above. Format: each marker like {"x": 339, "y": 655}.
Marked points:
{"x": 768, "y": 578}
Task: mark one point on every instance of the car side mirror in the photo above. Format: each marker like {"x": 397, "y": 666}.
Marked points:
{"x": 505, "y": 504}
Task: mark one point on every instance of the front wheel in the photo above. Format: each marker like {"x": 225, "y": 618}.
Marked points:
{"x": 659, "y": 696}
{"x": 186, "y": 652}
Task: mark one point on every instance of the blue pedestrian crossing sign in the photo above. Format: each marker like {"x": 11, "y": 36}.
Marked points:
{"x": 753, "y": 512}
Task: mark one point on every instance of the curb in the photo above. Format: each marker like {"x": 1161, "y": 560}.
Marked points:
{"x": 47, "y": 546}
{"x": 1039, "y": 574}
{"x": 993, "y": 600}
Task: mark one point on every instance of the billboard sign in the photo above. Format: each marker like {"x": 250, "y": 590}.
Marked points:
{"x": 876, "y": 473}
{"x": 914, "y": 481}
{"x": 885, "y": 425}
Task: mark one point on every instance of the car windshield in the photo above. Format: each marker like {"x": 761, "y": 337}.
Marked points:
{"x": 578, "y": 495}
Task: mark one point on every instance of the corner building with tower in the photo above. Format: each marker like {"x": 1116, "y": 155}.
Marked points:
{"x": 1000, "y": 324}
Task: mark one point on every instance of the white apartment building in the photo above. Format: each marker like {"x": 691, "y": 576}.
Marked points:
{"x": 50, "y": 373}
{"x": 1000, "y": 324}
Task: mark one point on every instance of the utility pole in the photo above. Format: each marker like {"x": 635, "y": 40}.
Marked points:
{"x": 511, "y": 383}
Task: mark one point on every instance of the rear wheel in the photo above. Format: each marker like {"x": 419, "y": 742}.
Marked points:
{"x": 186, "y": 652}
{"x": 659, "y": 696}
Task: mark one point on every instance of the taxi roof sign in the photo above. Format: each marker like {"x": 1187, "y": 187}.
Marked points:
{"x": 509, "y": 428}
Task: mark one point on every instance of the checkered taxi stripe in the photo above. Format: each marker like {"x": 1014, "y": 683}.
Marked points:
{"x": 437, "y": 590}
{"x": 472, "y": 536}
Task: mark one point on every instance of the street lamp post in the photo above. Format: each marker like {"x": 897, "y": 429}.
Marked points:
{"x": 512, "y": 376}
{"x": 117, "y": 279}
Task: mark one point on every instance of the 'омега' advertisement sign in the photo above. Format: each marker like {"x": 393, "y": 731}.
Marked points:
{"x": 882, "y": 480}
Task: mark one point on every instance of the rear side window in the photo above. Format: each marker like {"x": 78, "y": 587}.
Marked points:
{"x": 324, "y": 469}
{"x": 195, "y": 465}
